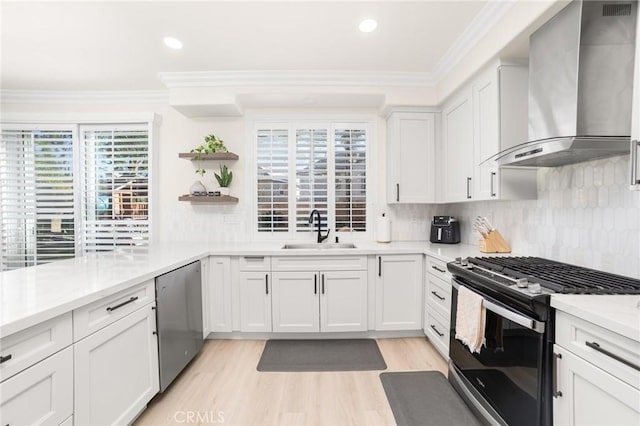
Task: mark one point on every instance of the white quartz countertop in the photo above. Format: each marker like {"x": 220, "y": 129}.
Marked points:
{"x": 619, "y": 313}
{"x": 32, "y": 295}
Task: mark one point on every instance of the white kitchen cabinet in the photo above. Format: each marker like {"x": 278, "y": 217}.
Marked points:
{"x": 220, "y": 297}
{"x": 295, "y": 306}
{"x": 411, "y": 157}
{"x": 634, "y": 163}
{"x": 41, "y": 394}
{"x": 255, "y": 301}
{"x": 343, "y": 301}
{"x": 457, "y": 141}
{"x": 399, "y": 292}
{"x": 116, "y": 370}
{"x": 587, "y": 394}
{"x": 325, "y": 301}
{"x": 483, "y": 118}
{"x": 437, "y": 306}
{"x": 206, "y": 311}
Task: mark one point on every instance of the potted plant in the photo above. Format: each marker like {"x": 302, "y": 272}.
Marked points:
{"x": 224, "y": 179}
{"x": 211, "y": 145}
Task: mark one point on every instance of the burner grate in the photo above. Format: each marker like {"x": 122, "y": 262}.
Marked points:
{"x": 560, "y": 277}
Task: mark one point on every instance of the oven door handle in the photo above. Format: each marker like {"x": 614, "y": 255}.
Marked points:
{"x": 524, "y": 321}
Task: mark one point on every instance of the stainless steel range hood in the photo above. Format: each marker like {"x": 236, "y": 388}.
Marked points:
{"x": 580, "y": 86}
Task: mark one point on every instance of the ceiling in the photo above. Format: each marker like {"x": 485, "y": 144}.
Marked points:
{"x": 90, "y": 45}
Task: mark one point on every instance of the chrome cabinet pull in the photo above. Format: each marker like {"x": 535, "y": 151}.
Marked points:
{"x": 597, "y": 347}
{"x": 633, "y": 162}
{"x": 113, "y": 308}
{"x": 436, "y": 330}
{"x": 469, "y": 188}
{"x": 556, "y": 393}
{"x": 437, "y": 295}
{"x": 493, "y": 176}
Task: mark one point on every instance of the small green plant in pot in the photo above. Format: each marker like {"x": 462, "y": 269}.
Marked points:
{"x": 224, "y": 179}
{"x": 211, "y": 145}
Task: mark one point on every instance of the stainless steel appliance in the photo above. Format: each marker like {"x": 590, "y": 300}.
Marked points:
{"x": 581, "y": 66}
{"x": 179, "y": 320}
{"x": 510, "y": 381}
{"x": 445, "y": 229}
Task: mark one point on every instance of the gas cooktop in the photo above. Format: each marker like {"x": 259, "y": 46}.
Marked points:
{"x": 535, "y": 275}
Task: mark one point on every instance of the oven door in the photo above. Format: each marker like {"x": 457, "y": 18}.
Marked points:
{"x": 506, "y": 377}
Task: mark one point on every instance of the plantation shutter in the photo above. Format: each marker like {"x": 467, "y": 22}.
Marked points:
{"x": 350, "y": 150}
{"x": 115, "y": 186}
{"x": 36, "y": 195}
{"x": 311, "y": 176}
{"x": 273, "y": 180}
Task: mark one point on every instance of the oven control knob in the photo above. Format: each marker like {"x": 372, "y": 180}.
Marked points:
{"x": 522, "y": 283}
{"x": 535, "y": 288}
{"x": 464, "y": 262}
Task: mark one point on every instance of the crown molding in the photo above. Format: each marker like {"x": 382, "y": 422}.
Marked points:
{"x": 486, "y": 19}
{"x": 73, "y": 97}
{"x": 174, "y": 80}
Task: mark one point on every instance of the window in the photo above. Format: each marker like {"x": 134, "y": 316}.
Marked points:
{"x": 305, "y": 166}
{"x": 68, "y": 190}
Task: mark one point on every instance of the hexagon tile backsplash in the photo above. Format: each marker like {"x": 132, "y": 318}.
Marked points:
{"x": 585, "y": 214}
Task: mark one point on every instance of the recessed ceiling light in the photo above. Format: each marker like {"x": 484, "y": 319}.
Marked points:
{"x": 368, "y": 25}
{"x": 173, "y": 43}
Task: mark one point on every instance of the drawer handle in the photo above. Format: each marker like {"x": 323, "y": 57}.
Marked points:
{"x": 254, "y": 257}
{"x": 113, "y": 308}
{"x": 555, "y": 392}
{"x": 438, "y": 269}
{"x": 436, "y": 330}
{"x": 5, "y": 358}
{"x": 597, "y": 347}
{"x": 437, "y": 295}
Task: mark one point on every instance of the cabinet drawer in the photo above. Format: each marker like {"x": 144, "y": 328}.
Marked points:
{"x": 603, "y": 348}
{"x": 34, "y": 344}
{"x": 437, "y": 331}
{"x": 93, "y": 317}
{"x": 439, "y": 295}
{"x": 437, "y": 268}
{"x": 41, "y": 394}
{"x": 255, "y": 263}
{"x": 319, "y": 263}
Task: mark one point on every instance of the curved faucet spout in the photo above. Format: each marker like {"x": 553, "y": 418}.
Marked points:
{"x": 321, "y": 237}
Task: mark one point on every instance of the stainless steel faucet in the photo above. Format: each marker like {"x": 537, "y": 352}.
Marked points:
{"x": 321, "y": 237}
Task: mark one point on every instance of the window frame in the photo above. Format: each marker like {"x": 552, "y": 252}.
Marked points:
{"x": 292, "y": 122}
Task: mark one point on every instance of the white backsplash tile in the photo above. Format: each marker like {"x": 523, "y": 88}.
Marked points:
{"x": 585, "y": 214}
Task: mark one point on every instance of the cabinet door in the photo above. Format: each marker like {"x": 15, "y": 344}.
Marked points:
{"x": 399, "y": 292}
{"x": 41, "y": 394}
{"x": 206, "y": 298}
{"x": 343, "y": 301}
{"x": 255, "y": 301}
{"x": 589, "y": 395}
{"x": 220, "y": 293}
{"x": 634, "y": 164}
{"x": 116, "y": 370}
{"x": 411, "y": 158}
{"x": 295, "y": 302}
{"x": 457, "y": 133}
{"x": 486, "y": 137}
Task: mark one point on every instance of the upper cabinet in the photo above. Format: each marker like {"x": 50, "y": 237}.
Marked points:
{"x": 411, "y": 137}
{"x": 634, "y": 162}
{"x": 484, "y": 117}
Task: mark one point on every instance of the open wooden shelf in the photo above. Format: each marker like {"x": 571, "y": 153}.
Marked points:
{"x": 214, "y": 156}
{"x": 220, "y": 199}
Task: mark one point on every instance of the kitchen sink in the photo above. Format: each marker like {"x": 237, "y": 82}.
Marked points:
{"x": 319, "y": 246}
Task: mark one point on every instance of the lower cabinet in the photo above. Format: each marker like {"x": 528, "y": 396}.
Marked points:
{"x": 41, "y": 394}
{"x": 219, "y": 293}
{"x": 319, "y": 301}
{"x": 399, "y": 292}
{"x": 116, "y": 370}
{"x": 590, "y": 395}
{"x": 255, "y": 297}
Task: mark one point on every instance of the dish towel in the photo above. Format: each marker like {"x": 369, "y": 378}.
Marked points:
{"x": 470, "y": 319}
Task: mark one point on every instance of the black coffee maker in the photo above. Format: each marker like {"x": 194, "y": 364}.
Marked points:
{"x": 445, "y": 229}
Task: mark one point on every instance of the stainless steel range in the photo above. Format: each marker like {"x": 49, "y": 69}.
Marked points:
{"x": 510, "y": 380}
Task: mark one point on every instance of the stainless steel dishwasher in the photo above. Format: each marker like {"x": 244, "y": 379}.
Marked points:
{"x": 179, "y": 320}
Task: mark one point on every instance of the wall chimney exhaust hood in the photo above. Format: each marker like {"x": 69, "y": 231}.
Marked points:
{"x": 580, "y": 86}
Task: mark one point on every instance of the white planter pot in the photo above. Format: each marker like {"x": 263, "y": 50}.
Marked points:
{"x": 224, "y": 191}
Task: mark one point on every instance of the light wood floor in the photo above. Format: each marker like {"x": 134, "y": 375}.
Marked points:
{"x": 222, "y": 386}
